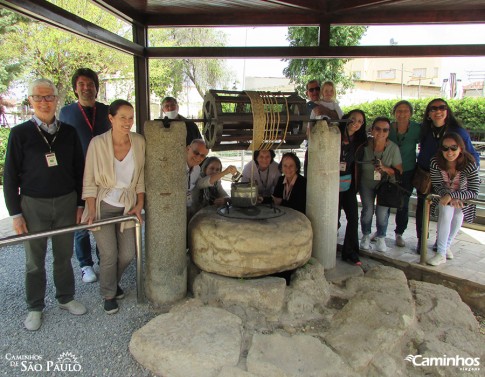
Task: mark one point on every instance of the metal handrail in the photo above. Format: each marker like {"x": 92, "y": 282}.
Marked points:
{"x": 72, "y": 228}
{"x": 425, "y": 227}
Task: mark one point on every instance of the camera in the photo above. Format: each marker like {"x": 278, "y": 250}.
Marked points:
{"x": 377, "y": 162}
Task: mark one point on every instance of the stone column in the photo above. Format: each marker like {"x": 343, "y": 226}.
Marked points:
{"x": 323, "y": 190}
{"x": 165, "y": 229}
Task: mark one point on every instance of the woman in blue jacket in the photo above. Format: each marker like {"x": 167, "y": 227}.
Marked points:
{"x": 438, "y": 120}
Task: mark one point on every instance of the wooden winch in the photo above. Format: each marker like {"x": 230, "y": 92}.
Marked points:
{"x": 253, "y": 120}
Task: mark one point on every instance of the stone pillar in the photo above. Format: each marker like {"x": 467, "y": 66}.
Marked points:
{"x": 323, "y": 190}
{"x": 165, "y": 229}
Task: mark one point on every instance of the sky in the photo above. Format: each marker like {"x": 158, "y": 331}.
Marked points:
{"x": 375, "y": 35}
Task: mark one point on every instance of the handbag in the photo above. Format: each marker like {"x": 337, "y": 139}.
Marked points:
{"x": 422, "y": 180}
{"x": 390, "y": 194}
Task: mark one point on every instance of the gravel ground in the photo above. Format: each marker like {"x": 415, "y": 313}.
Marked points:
{"x": 97, "y": 341}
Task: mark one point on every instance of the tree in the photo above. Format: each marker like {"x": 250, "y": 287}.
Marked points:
{"x": 301, "y": 71}
{"x": 167, "y": 76}
{"x": 54, "y": 54}
{"x": 10, "y": 64}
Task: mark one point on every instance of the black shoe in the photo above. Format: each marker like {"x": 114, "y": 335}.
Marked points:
{"x": 352, "y": 259}
{"x": 119, "y": 293}
{"x": 111, "y": 306}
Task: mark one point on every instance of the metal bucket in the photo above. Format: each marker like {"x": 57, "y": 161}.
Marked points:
{"x": 243, "y": 195}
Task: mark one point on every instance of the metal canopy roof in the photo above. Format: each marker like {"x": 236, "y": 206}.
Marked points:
{"x": 295, "y": 12}
{"x": 144, "y": 14}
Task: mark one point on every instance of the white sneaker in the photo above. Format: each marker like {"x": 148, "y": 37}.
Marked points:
{"x": 33, "y": 321}
{"x": 399, "y": 240}
{"x": 437, "y": 260}
{"x": 449, "y": 254}
{"x": 88, "y": 274}
{"x": 74, "y": 307}
{"x": 365, "y": 242}
{"x": 381, "y": 244}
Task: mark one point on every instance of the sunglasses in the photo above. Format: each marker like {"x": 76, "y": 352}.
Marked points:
{"x": 49, "y": 98}
{"x": 311, "y": 90}
{"x": 454, "y": 148}
{"x": 436, "y": 108}
{"x": 198, "y": 154}
{"x": 385, "y": 130}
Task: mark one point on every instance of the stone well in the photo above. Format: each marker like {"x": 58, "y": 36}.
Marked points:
{"x": 238, "y": 247}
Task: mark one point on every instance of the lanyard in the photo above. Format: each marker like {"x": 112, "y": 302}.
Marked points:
{"x": 288, "y": 188}
{"x": 188, "y": 178}
{"x": 344, "y": 148}
{"x": 265, "y": 184}
{"x": 90, "y": 124}
{"x": 45, "y": 139}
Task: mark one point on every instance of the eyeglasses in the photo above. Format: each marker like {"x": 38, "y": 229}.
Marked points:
{"x": 454, "y": 148}
{"x": 198, "y": 154}
{"x": 311, "y": 90}
{"x": 381, "y": 129}
{"x": 49, "y": 98}
{"x": 436, "y": 108}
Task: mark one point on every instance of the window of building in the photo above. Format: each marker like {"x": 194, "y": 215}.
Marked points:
{"x": 356, "y": 75}
{"x": 419, "y": 72}
{"x": 386, "y": 74}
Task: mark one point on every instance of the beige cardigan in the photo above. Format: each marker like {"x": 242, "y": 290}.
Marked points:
{"x": 99, "y": 174}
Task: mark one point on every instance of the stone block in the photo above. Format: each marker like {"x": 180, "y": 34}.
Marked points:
{"x": 264, "y": 294}
{"x": 249, "y": 248}
{"x": 190, "y": 341}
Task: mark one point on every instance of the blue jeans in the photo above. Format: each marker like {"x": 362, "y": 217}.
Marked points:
{"x": 402, "y": 214}
{"x": 367, "y": 197}
{"x": 82, "y": 246}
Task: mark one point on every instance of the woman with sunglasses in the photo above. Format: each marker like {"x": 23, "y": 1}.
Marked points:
{"x": 438, "y": 120}
{"x": 353, "y": 134}
{"x": 380, "y": 159}
{"x": 454, "y": 175}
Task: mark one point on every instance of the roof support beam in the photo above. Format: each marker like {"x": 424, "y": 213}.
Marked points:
{"x": 314, "y": 52}
{"x": 44, "y": 11}
{"x": 142, "y": 95}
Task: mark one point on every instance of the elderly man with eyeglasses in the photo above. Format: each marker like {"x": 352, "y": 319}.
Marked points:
{"x": 196, "y": 153}
{"x": 42, "y": 186}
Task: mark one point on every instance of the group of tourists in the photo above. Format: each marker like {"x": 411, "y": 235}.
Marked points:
{"x": 387, "y": 152}
{"x": 87, "y": 165}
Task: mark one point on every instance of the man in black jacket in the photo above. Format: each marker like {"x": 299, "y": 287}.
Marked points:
{"x": 42, "y": 187}
{"x": 170, "y": 110}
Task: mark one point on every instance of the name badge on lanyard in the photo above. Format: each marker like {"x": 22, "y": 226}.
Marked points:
{"x": 51, "y": 159}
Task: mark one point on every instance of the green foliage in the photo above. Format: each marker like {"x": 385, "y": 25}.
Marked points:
{"x": 54, "y": 54}
{"x": 470, "y": 111}
{"x": 300, "y": 71}
{"x": 167, "y": 76}
{"x": 4, "y": 132}
{"x": 10, "y": 63}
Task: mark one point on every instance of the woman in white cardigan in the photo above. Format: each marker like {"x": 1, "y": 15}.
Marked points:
{"x": 114, "y": 185}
